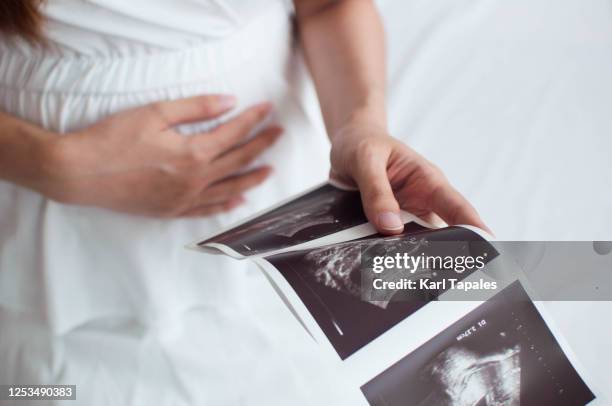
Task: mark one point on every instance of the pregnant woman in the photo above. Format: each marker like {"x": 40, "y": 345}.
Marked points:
{"x": 130, "y": 128}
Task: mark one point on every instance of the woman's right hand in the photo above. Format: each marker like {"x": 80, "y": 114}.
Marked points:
{"x": 136, "y": 162}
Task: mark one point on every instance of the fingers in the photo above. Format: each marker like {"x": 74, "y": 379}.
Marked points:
{"x": 210, "y": 209}
{"x": 227, "y": 194}
{"x": 193, "y": 109}
{"x": 234, "y": 186}
{"x": 233, "y": 132}
{"x": 453, "y": 208}
{"x": 379, "y": 203}
{"x": 239, "y": 157}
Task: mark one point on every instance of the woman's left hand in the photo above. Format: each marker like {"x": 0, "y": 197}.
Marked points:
{"x": 390, "y": 175}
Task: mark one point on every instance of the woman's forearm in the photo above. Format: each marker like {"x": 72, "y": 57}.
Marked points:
{"x": 343, "y": 42}
{"x": 24, "y": 152}
{"x": 344, "y": 45}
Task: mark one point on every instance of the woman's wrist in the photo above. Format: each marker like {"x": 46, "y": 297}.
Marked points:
{"x": 29, "y": 155}
{"x": 54, "y": 165}
{"x": 368, "y": 118}
{"x": 355, "y": 133}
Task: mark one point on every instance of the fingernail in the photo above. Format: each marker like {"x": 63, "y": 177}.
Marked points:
{"x": 226, "y": 102}
{"x": 390, "y": 221}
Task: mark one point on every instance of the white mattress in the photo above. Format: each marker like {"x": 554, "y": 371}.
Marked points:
{"x": 510, "y": 98}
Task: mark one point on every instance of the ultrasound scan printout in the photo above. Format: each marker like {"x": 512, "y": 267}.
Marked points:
{"x": 323, "y": 211}
{"x": 328, "y": 281}
{"x": 318, "y": 252}
{"x": 502, "y": 353}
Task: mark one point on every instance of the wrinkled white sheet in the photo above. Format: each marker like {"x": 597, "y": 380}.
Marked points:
{"x": 510, "y": 98}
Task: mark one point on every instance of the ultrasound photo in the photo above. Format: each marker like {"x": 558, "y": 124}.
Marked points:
{"x": 328, "y": 280}
{"x": 321, "y": 212}
{"x": 502, "y": 353}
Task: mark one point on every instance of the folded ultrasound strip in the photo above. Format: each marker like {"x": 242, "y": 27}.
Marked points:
{"x": 324, "y": 260}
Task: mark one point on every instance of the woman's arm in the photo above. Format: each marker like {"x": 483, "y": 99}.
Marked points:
{"x": 344, "y": 46}
{"x": 24, "y": 152}
{"x": 343, "y": 42}
{"x": 135, "y": 161}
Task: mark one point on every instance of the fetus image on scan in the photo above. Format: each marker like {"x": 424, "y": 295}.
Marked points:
{"x": 304, "y": 214}
{"x": 461, "y": 377}
{"x": 502, "y": 353}
{"x": 348, "y": 267}
{"x": 321, "y": 212}
{"x": 339, "y": 266}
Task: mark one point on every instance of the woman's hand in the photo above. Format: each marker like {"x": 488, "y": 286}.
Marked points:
{"x": 136, "y": 162}
{"x": 390, "y": 176}
{"x": 344, "y": 47}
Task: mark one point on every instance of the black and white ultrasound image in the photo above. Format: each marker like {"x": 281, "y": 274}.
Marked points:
{"x": 321, "y": 212}
{"x": 502, "y": 353}
{"x": 328, "y": 280}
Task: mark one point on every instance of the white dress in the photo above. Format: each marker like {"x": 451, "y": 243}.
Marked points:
{"x": 114, "y": 303}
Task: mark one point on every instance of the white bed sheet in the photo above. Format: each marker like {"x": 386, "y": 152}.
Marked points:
{"x": 510, "y": 98}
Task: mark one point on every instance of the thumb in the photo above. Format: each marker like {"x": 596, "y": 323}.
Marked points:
{"x": 379, "y": 203}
